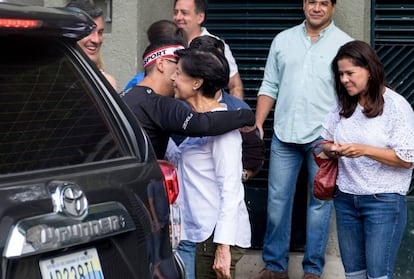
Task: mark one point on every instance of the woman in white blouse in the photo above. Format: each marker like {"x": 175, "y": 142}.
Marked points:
{"x": 211, "y": 191}
{"x": 373, "y": 131}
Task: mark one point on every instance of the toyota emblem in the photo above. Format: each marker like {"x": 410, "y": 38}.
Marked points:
{"x": 70, "y": 200}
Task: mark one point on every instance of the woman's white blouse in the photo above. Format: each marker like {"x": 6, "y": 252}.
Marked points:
{"x": 393, "y": 129}
{"x": 211, "y": 191}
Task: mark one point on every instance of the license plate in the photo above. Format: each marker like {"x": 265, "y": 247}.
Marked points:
{"x": 82, "y": 264}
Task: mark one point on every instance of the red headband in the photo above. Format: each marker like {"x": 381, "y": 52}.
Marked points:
{"x": 164, "y": 52}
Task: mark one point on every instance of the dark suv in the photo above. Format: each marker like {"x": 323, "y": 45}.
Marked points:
{"x": 81, "y": 192}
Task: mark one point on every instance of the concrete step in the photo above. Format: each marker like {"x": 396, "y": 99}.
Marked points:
{"x": 252, "y": 263}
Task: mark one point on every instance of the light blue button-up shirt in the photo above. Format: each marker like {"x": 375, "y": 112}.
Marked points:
{"x": 298, "y": 76}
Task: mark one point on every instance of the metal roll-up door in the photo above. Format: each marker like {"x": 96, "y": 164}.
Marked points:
{"x": 392, "y": 37}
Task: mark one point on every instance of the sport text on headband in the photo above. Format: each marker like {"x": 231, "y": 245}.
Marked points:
{"x": 162, "y": 52}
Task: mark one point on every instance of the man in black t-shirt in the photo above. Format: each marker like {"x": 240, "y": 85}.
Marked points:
{"x": 161, "y": 115}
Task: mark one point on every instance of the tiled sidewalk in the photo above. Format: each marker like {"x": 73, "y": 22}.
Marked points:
{"x": 252, "y": 263}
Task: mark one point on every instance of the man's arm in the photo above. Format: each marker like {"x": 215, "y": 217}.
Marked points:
{"x": 236, "y": 86}
{"x": 263, "y": 107}
{"x": 176, "y": 118}
{"x": 253, "y": 154}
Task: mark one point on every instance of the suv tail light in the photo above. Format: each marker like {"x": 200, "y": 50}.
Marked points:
{"x": 170, "y": 180}
{"x": 171, "y": 186}
{"x": 19, "y": 23}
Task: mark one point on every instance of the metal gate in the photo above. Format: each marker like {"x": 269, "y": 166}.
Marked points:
{"x": 392, "y": 36}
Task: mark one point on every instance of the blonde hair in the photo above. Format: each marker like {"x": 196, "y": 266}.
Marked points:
{"x": 100, "y": 63}
{"x": 110, "y": 78}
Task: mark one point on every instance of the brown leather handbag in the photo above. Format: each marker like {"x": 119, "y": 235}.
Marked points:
{"x": 325, "y": 179}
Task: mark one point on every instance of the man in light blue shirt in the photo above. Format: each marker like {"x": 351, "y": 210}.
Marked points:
{"x": 298, "y": 82}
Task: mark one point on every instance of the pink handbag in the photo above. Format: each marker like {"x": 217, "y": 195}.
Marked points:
{"x": 325, "y": 179}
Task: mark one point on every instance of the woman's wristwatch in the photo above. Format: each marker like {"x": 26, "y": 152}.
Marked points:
{"x": 245, "y": 175}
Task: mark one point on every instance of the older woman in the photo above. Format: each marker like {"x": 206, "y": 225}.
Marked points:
{"x": 210, "y": 168}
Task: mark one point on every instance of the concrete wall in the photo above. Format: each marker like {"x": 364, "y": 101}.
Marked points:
{"x": 125, "y": 44}
{"x": 354, "y": 17}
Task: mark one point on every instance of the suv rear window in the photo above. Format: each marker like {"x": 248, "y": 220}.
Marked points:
{"x": 48, "y": 115}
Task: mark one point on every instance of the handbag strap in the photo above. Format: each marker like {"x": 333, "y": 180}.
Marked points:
{"x": 315, "y": 156}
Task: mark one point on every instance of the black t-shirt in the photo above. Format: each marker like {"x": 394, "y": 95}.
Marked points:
{"x": 162, "y": 116}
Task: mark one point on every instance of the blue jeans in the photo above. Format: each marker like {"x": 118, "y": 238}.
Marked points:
{"x": 370, "y": 229}
{"x": 284, "y": 166}
{"x": 187, "y": 251}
